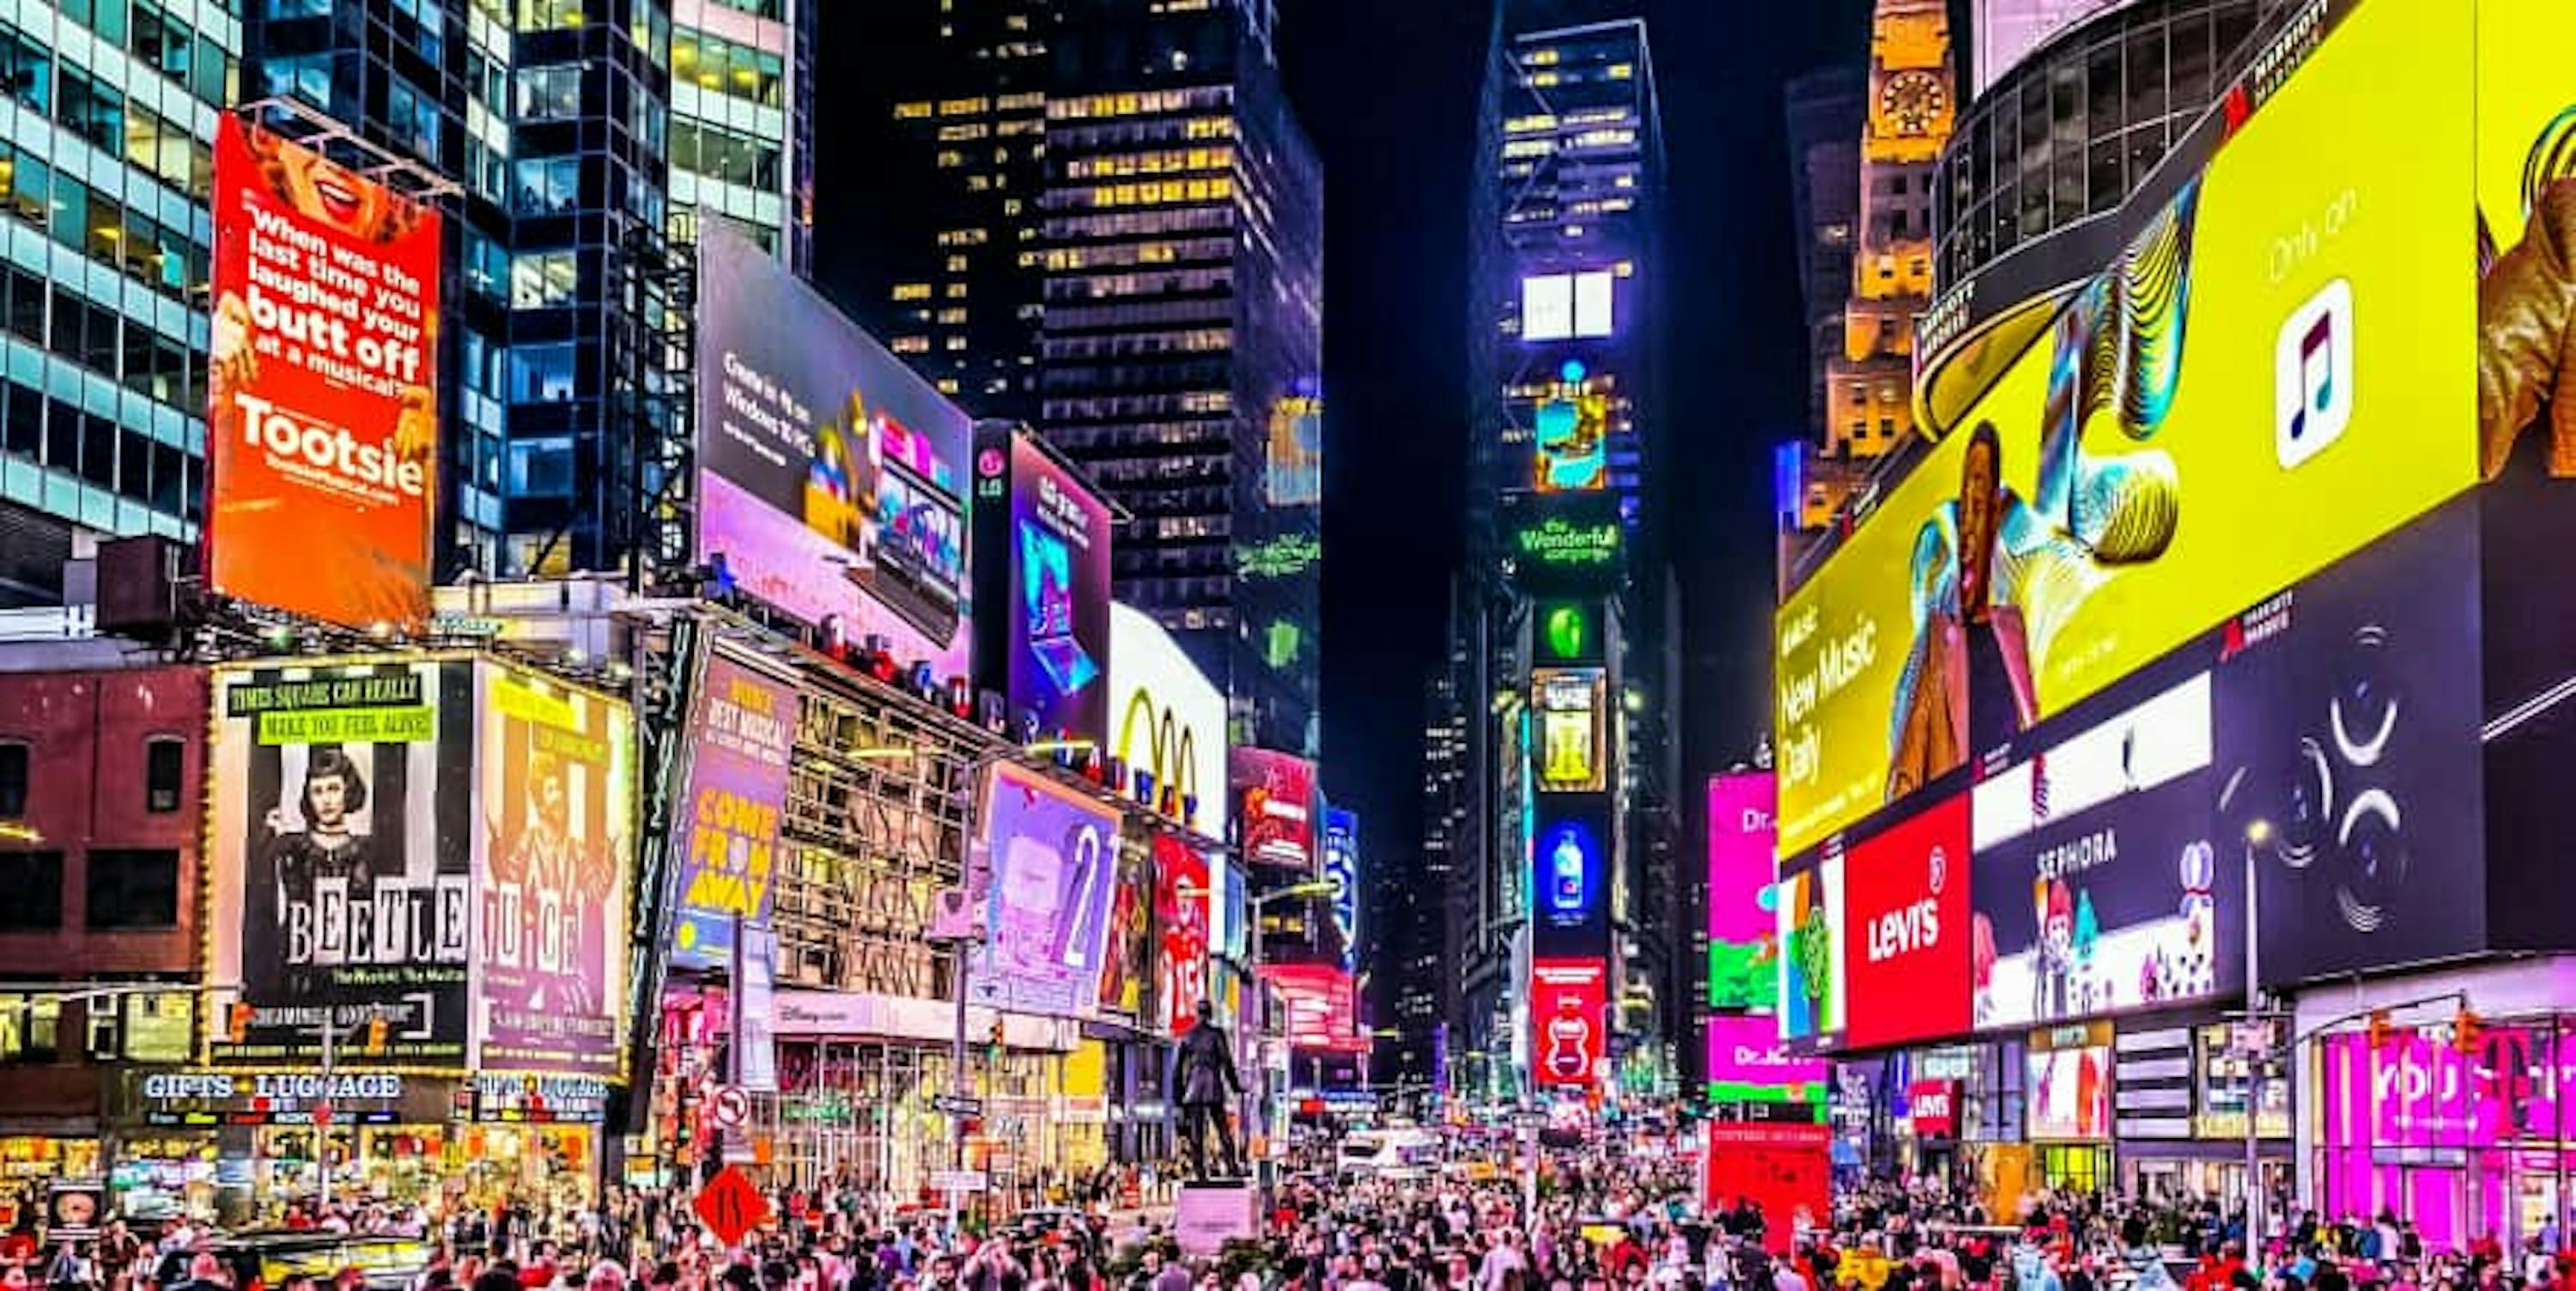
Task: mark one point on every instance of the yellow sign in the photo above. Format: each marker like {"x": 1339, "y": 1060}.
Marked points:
{"x": 1570, "y": 704}
{"x": 2254, "y": 388}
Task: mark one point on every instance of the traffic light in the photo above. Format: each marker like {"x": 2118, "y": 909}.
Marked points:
{"x": 993, "y": 1043}
{"x": 2467, "y": 1032}
{"x": 2378, "y": 1028}
{"x": 237, "y": 1024}
{"x": 377, "y": 1030}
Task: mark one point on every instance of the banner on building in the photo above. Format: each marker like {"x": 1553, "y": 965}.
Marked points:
{"x": 322, "y": 420}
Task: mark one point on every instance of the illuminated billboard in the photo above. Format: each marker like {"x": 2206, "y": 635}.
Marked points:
{"x": 742, "y": 735}
{"x": 1569, "y": 1021}
{"x": 1042, "y": 581}
{"x": 1568, "y": 632}
{"x": 1813, "y": 995}
{"x": 1569, "y": 306}
{"x": 1275, "y": 808}
{"x": 1293, "y": 463}
{"x": 556, "y": 796}
{"x": 1906, "y": 920}
{"x": 1322, "y": 1006}
{"x": 2068, "y": 1085}
{"x": 1570, "y": 424}
{"x": 1342, "y": 870}
{"x": 1166, "y": 724}
{"x": 1572, "y": 707}
{"x": 1743, "y": 926}
{"x": 322, "y": 419}
{"x": 2348, "y": 754}
{"x": 1570, "y": 853}
{"x": 1183, "y": 913}
{"x": 343, "y": 832}
{"x": 2100, "y": 504}
{"x": 2098, "y": 884}
{"x": 1048, "y": 857}
{"x": 831, "y": 478}
{"x": 1564, "y": 542}
{"x": 1747, "y": 1065}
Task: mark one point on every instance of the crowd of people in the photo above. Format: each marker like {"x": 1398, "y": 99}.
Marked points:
{"x": 1599, "y": 1223}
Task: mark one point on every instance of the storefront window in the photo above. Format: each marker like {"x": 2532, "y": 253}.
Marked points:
{"x": 30, "y": 1028}
{"x": 2467, "y": 1146}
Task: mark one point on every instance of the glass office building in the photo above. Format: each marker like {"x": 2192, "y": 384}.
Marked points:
{"x": 586, "y": 137}
{"x": 106, "y": 161}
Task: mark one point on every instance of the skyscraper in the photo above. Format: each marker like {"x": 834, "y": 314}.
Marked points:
{"x": 939, "y": 249}
{"x": 1182, "y": 340}
{"x": 1564, "y": 622}
{"x": 586, "y": 138}
{"x": 105, "y": 171}
{"x": 1869, "y": 386}
{"x": 1101, "y": 217}
{"x": 1825, "y": 111}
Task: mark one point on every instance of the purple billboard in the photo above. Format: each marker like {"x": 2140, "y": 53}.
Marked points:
{"x": 1743, "y": 928}
{"x": 831, "y": 477}
{"x": 741, "y": 734}
{"x": 1042, "y": 576}
{"x": 1048, "y": 860}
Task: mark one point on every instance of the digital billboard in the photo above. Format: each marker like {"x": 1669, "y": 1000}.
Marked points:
{"x": 1166, "y": 724}
{"x": 1570, "y": 423}
{"x": 1049, "y": 858}
{"x": 1293, "y": 463}
{"x": 1573, "y": 713}
{"x": 2099, "y": 504}
{"x": 1182, "y": 911}
{"x": 322, "y": 372}
{"x": 1569, "y": 306}
{"x": 2098, "y": 879}
{"x": 343, "y": 831}
{"x": 831, "y": 478}
{"x": 1342, "y": 870}
{"x": 1128, "y": 963}
{"x": 1042, "y": 583}
{"x": 1568, "y": 632}
{"x": 1322, "y": 1007}
{"x": 1275, "y": 811}
{"x": 742, "y": 735}
{"x": 1569, "y": 1021}
{"x": 1570, "y": 854}
{"x": 1906, "y": 914}
{"x": 1564, "y": 542}
{"x": 1746, "y": 1063}
{"x": 2069, "y": 1089}
{"x": 1813, "y": 994}
{"x": 2349, "y": 724}
{"x": 556, "y": 797}
{"x": 1743, "y": 924}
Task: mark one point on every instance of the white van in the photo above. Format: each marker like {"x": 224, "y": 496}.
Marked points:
{"x": 1389, "y": 1154}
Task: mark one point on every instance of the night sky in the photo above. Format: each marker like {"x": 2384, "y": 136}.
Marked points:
{"x": 1388, "y": 90}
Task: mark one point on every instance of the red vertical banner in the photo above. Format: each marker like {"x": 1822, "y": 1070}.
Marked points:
{"x": 1181, "y": 913}
{"x": 1569, "y": 1021}
{"x": 1786, "y": 1171}
{"x": 322, "y": 420}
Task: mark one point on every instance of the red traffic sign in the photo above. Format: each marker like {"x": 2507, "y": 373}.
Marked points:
{"x": 731, "y": 1206}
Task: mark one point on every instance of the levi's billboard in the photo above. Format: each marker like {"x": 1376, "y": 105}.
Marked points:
{"x": 322, "y": 422}
{"x": 1906, "y": 906}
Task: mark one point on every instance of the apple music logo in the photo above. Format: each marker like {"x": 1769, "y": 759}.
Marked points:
{"x": 2313, "y": 375}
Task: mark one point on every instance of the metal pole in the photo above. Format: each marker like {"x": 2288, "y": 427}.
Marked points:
{"x": 2253, "y": 1064}
{"x": 322, "y": 1106}
{"x": 958, "y": 1087}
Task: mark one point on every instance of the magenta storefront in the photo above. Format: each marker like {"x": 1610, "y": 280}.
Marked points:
{"x": 2467, "y": 1148}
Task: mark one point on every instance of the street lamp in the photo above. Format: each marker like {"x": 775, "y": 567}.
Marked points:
{"x": 2257, "y": 833}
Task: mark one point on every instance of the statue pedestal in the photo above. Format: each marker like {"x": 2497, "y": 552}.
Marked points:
{"x": 1207, "y": 1215}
